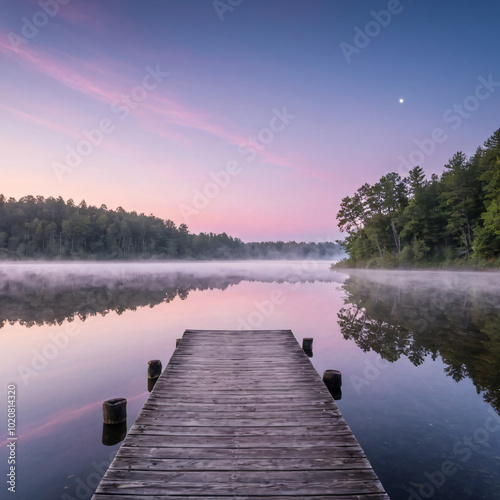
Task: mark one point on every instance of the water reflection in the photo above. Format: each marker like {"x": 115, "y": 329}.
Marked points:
{"x": 336, "y": 393}
{"x": 408, "y": 420}
{"x": 113, "y": 433}
{"x": 416, "y": 314}
{"x": 151, "y": 383}
{"x": 50, "y": 293}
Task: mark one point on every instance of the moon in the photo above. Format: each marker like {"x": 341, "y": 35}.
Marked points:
{"x": 401, "y": 100}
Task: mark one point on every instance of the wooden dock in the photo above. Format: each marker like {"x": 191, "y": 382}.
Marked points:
{"x": 240, "y": 415}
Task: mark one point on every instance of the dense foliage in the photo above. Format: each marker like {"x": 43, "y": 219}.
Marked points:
{"x": 38, "y": 227}
{"x": 415, "y": 221}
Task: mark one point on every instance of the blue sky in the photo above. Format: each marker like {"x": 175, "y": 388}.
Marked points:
{"x": 266, "y": 90}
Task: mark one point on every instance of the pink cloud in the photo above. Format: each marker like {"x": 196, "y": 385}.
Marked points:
{"x": 105, "y": 80}
{"x": 178, "y": 114}
{"x": 98, "y": 86}
{"x": 58, "y": 70}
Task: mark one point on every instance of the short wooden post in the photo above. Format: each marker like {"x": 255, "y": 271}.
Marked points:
{"x": 154, "y": 368}
{"x": 177, "y": 342}
{"x": 114, "y": 411}
{"x": 332, "y": 379}
{"x": 307, "y": 344}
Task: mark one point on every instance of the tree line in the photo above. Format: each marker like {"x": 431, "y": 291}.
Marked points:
{"x": 452, "y": 218}
{"x": 38, "y": 227}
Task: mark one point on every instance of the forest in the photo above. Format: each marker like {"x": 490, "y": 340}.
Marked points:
{"x": 35, "y": 227}
{"x": 452, "y": 219}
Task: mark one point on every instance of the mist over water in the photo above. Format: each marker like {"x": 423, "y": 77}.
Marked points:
{"x": 483, "y": 281}
{"x": 61, "y": 275}
{"x": 29, "y": 292}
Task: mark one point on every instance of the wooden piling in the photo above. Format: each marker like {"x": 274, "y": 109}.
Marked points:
{"x": 154, "y": 368}
{"x": 307, "y": 344}
{"x": 332, "y": 379}
{"x": 114, "y": 411}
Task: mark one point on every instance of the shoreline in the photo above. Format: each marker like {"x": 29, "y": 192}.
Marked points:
{"x": 479, "y": 268}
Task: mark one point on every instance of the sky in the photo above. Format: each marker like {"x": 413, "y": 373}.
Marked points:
{"x": 250, "y": 117}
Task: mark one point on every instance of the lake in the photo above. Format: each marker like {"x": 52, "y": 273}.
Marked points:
{"x": 419, "y": 353}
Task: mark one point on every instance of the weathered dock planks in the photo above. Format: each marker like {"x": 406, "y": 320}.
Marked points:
{"x": 240, "y": 415}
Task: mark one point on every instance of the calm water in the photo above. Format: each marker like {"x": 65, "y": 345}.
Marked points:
{"x": 419, "y": 353}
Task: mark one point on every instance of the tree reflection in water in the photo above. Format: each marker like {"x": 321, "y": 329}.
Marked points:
{"x": 50, "y": 293}
{"x": 417, "y": 314}
{"x": 45, "y": 306}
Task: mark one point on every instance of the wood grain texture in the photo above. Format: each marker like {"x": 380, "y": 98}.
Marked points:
{"x": 365, "y": 496}
{"x": 240, "y": 415}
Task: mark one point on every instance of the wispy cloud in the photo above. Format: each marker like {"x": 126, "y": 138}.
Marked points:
{"x": 61, "y": 69}
{"x": 105, "y": 80}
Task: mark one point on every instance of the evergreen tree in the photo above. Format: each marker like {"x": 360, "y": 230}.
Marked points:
{"x": 414, "y": 221}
